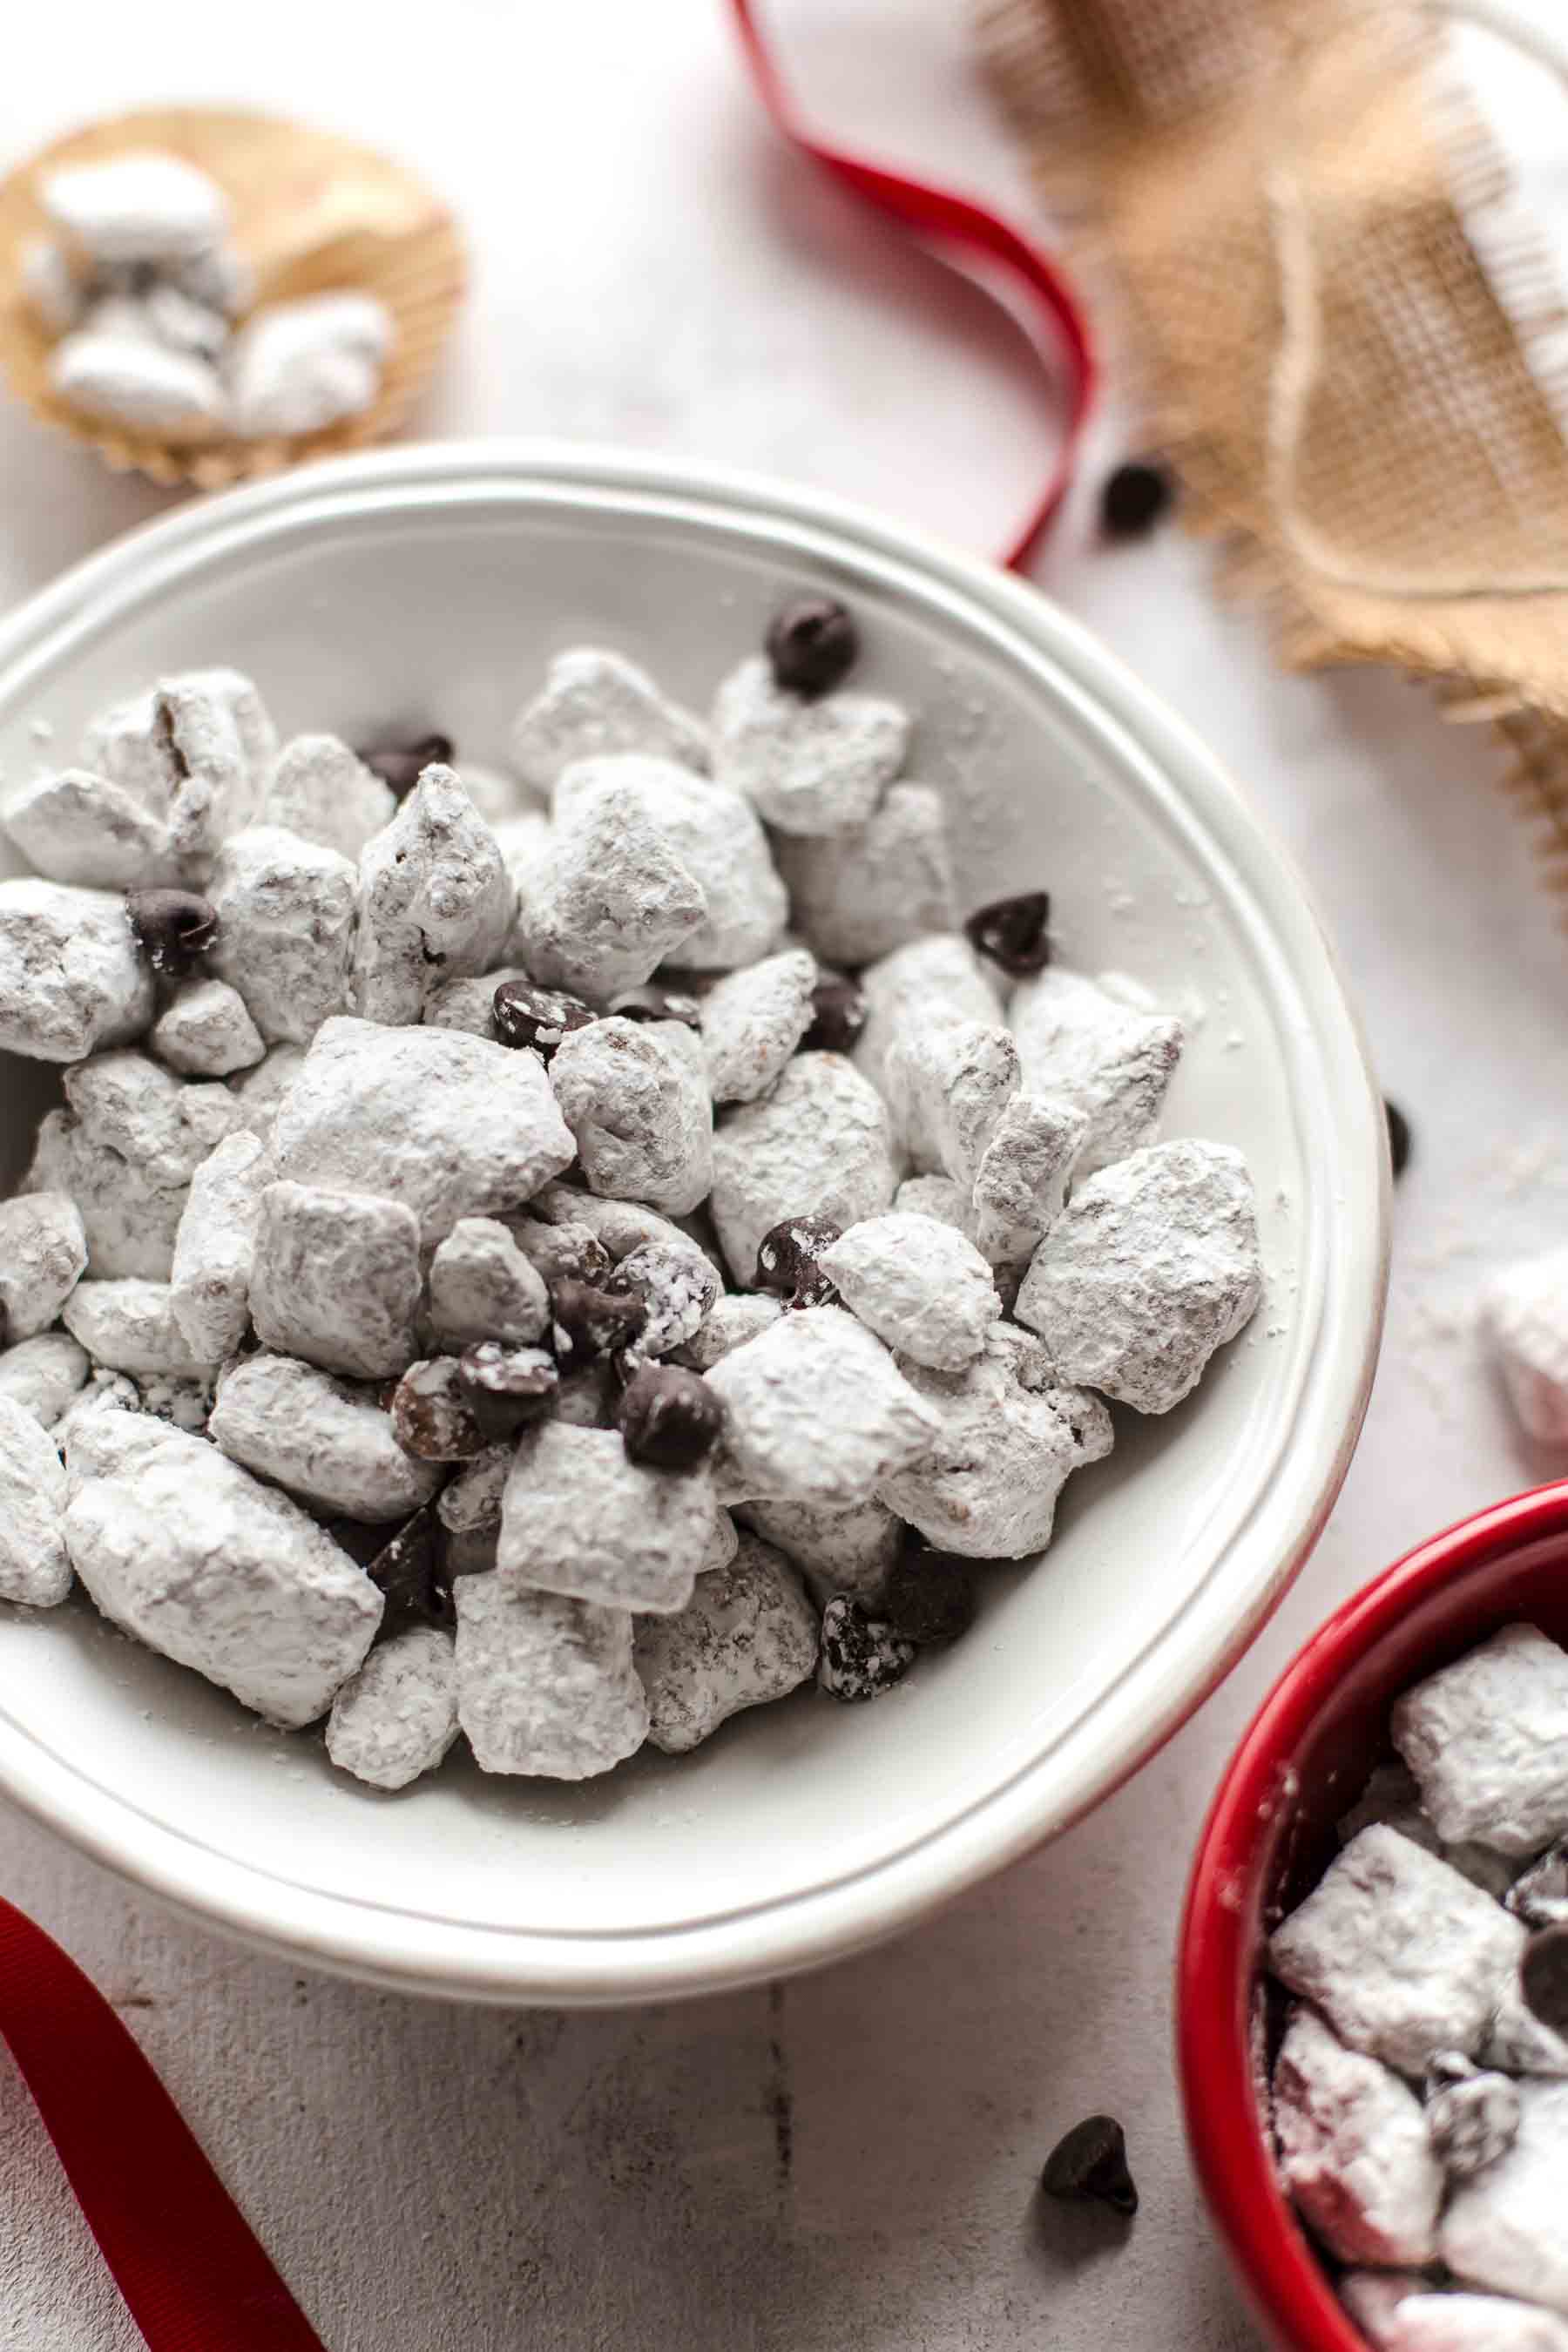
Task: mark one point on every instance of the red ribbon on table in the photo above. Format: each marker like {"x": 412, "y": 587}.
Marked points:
{"x": 947, "y": 217}
{"x": 193, "y": 2276}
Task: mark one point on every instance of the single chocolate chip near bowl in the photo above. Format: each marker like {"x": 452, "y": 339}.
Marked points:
{"x": 401, "y": 763}
{"x": 812, "y": 645}
{"x": 1134, "y": 498}
{"x": 1015, "y": 933}
{"x": 669, "y": 1418}
{"x": 861, "y": 1654}
{"x": 173, "y": 928}
{"x": 1088, "y": 2166}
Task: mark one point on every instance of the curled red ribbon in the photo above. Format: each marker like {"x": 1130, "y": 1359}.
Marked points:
{"x": 952, "y": 219}
{"x": 193, "y": 2276}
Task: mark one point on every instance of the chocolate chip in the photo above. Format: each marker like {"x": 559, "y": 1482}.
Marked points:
{"x": 173, "y": 928}
{"x": 506, "y": 1388}
{"x": 812, "y": 644}
{"x": 1398, "y": 1137}
{"x": 409, "y": 1569}
{"x": 523, "y": 1014}
{"x": 669, "y": 1418}
{"x": 786, "y": 1261}
{"x": 590, "y": 1321}
{"x": 861, "y": 1654}
{"x": 1544, "y": 1976}
{"x": 1134, "y": 498}
{"x": 929, "y": 1596}
{"x": 837, "y": 1016}
{"x": 401, "y": 764}
{"x": 1013, "y": 932}
{"x": 432, "y": 1418}
{"x": 1089, "y": 2164}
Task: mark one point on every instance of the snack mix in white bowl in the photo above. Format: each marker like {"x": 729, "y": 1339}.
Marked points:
{"x": 562, "y": 1259}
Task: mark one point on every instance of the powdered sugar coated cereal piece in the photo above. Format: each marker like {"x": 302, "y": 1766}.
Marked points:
{"x": 618, "y": 1226}
{"x": 470, "y": 1003}
{"x": 286, "y": 913}
{"x": 818, "y": 1145}
{"x": 215, "y": 1248}
{"x": 638, "y": 1111}
{"x": 1472, "y": 2121}
{"x": 865, "y": 893}
{"x": 1430, "y": 2320}
{"x": 1101, "y": 1054}
{"x": 80, "y": 828}
{"x": 72, "y": 979}
{"x": 1021, "y": 1182}
{"x": 43, "y": 1254}
{"x": 451, "y": 1125}
{"x": 177, "y": 318}
{"x": 594, "y": 702}
{"x": 753, "y": 1020}
{"x": 34, "y": 1566}
{"x": 108, "y": 372}
{"x": 1354, "y": 2150}
{"x": 129, "y": 1325}
{"x": 920, "y": 1286}
{"x": 931, "y": 980}
{"x": 545, "y": 1685}
{"x": 812, "y": 768}
{"x": 260, "y": 1091}
{"x": 124, "y": 1148}
{"x": 1487, "y": 1739}
{"x": 716, "y": 837}
{"x": 483, "y": 1287}
{"x": 1009, "y": 1435}
{"x": 44, "y": 1375}
{"x": 1404, "y": 1956}
{"x": 217, "y": 742}
{"x": 325, "y": 1440}
{"x": 336, "y": 1279}
{"x": 398, "y": 1716}
{"x": 733, "y": 1320}
{"x": 947, "y": 1088}
{"x": 1154, "y": 1265}
{"x": 1503, "y": 2229}
{"x": 1526, "y": 1319}
{"x": 678, "y": 1285}
{"x": 938, "y": 1197}
{"x": 747, "y": 1635}
{"x": 436, "y": 900}
{"x": 56, "y": 297}
{"x": 323, "y": 792}
{"x": 609, "y": 901}
{"x": 204, "y": 1563}
{"x": 206, "y": 1032}
{"x": 298, "y": 367}
{"x": 579, "y": 1517}
{"x": 848, "y": 1547}
{"x": 142, "y": 207}
{"x": 818, "y": 1411}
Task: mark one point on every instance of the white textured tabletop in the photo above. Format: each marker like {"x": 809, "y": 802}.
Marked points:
{"x": 847, "y": 2162}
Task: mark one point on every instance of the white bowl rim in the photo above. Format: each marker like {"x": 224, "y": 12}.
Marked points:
{"x": 412, "y": 1952}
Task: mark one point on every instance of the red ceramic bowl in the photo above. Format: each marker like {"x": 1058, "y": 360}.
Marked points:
{"x": 1270, "y": 1836}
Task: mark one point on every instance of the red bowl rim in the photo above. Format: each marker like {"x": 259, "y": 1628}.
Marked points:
{"x": 1215, "y": 1951}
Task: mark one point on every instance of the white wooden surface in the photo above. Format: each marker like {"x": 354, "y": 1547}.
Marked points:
{"x": 850, "y": 2162}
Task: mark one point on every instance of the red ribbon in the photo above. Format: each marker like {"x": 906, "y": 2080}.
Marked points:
{"x": 194, "y": 2278}
{"x": 940, "y": 214}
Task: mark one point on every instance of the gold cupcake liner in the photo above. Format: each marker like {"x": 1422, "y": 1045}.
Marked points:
{"x": 313, "y": 214}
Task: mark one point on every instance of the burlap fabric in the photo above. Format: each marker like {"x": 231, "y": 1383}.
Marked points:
{"x": 1342, "y": 325}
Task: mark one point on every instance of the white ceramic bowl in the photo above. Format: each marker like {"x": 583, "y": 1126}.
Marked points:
{"x": 430, "y": 587}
